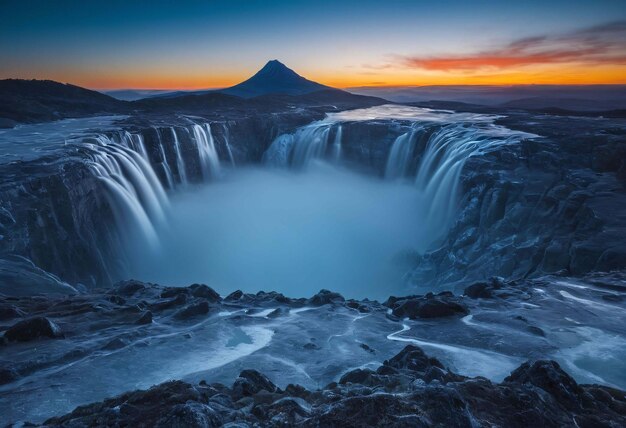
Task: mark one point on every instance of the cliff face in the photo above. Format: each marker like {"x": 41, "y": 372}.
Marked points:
{"x": 541, "y": 206}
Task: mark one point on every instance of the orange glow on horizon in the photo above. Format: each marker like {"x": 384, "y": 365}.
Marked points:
{"x": 544, "y": 74}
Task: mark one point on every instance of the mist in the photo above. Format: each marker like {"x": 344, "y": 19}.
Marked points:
{"x": 291, "y": 232}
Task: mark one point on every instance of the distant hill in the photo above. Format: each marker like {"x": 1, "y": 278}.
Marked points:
{"x": 531, "y": 97}
{"x": 326, "y": 100}
{"x": 274, "y": 88}
{"x": 29, "y": 101}
{"x": 134, "y": 94}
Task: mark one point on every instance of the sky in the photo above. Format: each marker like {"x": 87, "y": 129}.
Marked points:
{"x": 164, "y": 44}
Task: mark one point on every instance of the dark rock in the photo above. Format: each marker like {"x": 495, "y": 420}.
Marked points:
{"x": 117, "y": 343}
{"x": 234, "y": 296}
{"x": 479, "y": 290}
{"x": 410, "y": 389}
{"x": 536, "y": 331}
{"x": 8, "y": 375}
{"x": 549, "y": 376}
{"x": 278, "y": 312}
{"x": 367, "y": 348}
{"x": 128, "y": 288}
{"x": 414, "y": 359}
{"x": 251, "y": 382}
{"x": 33, "y": 328}
{"x": 204, "y": 291}
{"x": 325, "y": 297}
{"x": 146, "y": 318}
{"x": 161, "y": 305}
{"x": 191, "y": 414}
{"x": 429, "y": 306}
{"x": 173, "y": 292}
{"x": 9, "y": 312}
{"x": 118, "y": 300}
{"x": 201, "y": 308}
{"x": 360, "y": 376}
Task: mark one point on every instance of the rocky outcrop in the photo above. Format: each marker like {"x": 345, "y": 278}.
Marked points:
{"x": 410, "y": 389}
{"x": 544, "y": 206}
{"x": 31, "y": 329}
{"x": 444, "y": 304}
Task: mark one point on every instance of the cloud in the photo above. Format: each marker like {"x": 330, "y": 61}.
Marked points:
{"x": 602, "y": 44}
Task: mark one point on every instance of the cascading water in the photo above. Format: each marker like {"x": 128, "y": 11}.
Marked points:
{"x": 307, "y": 143}
{"x": 226, "y": 134}
{"x": 329, "y": 227}
{"x": 180, "y": 162}
{"x": 451, "y": 138}
{"x": 137, "y": 198}
{"x": 209, "y": 161}
{"x": 337, "y": 145}
{"x": 166, "y": 168}
{"x": 400, "y": 155}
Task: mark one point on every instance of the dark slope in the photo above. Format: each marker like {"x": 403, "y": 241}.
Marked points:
{"x": 29, "y": 101}
{"x": 274, "y": 78}
{"x": 215, "y": 102}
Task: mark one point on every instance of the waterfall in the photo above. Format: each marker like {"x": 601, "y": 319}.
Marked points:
{"x": 166, "y": 168}
{"x": 136, "y": 196}
{"x": 337, "y": 145}
{"x": 227, "y": 142}
{"x": 310, "y": 142}
{"x": 134, "y": 142}
{"x": 307, "y": 143}
{"x": 447, "y": 150}
{"x": 400, "y": 155}
{"x": 209, "y": 162}
{"x": 180, "y": 162}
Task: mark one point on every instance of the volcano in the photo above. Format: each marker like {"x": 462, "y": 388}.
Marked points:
{"x": 274, "y": 78}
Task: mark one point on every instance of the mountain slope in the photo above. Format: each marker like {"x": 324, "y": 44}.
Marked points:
{"x": 274, "y": 78}
{"x": 30, "y": 101}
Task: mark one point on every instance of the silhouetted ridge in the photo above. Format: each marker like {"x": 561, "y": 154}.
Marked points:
{"x": 44, "y": 100}
{"x": 274, "y": 78}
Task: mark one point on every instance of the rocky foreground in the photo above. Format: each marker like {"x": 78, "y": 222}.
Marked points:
{"x": 409, "y": 390}
{"x": 484, "y": 358}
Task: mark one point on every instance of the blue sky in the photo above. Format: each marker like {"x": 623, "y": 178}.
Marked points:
{"x": 173, "y": 44}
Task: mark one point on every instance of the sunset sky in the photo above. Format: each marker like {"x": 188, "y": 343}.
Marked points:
{"x": 163, "y": 44}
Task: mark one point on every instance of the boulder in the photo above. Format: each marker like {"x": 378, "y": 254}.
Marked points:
{"x": 33, "y": 328}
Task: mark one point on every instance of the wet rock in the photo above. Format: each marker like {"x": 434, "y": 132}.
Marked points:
{"x": 410, "y": 389}
{"x": 196, "y": 309}
{"x": 361, "y": 376}
{"x": 173, "y": 292}
{"x": 146, "y": 318}
{"x": 414, "y": 359}
{"x": 430, "y": 306}
{"x": 9, "y": 312}
{"x": 117, "y": 343}
{"x": 161, "y": 305}
{"x": 359, "y": 306}
{"x": 204, "y": 291}
{"x": 8, "y": 375}
{"x": 479, "y": 290}
{"x": 128, "y": 288}
{"x": 32, "y": 329}
{"x": 191, "y": 414}
{"x": 367, "y": 348}
{"x": 278, "y": 312}
{"x": 118, "y": 300}
{"x": 549, "y": 376}
{"x": 251, "y": 382}
{"x": 325, "y": 297}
